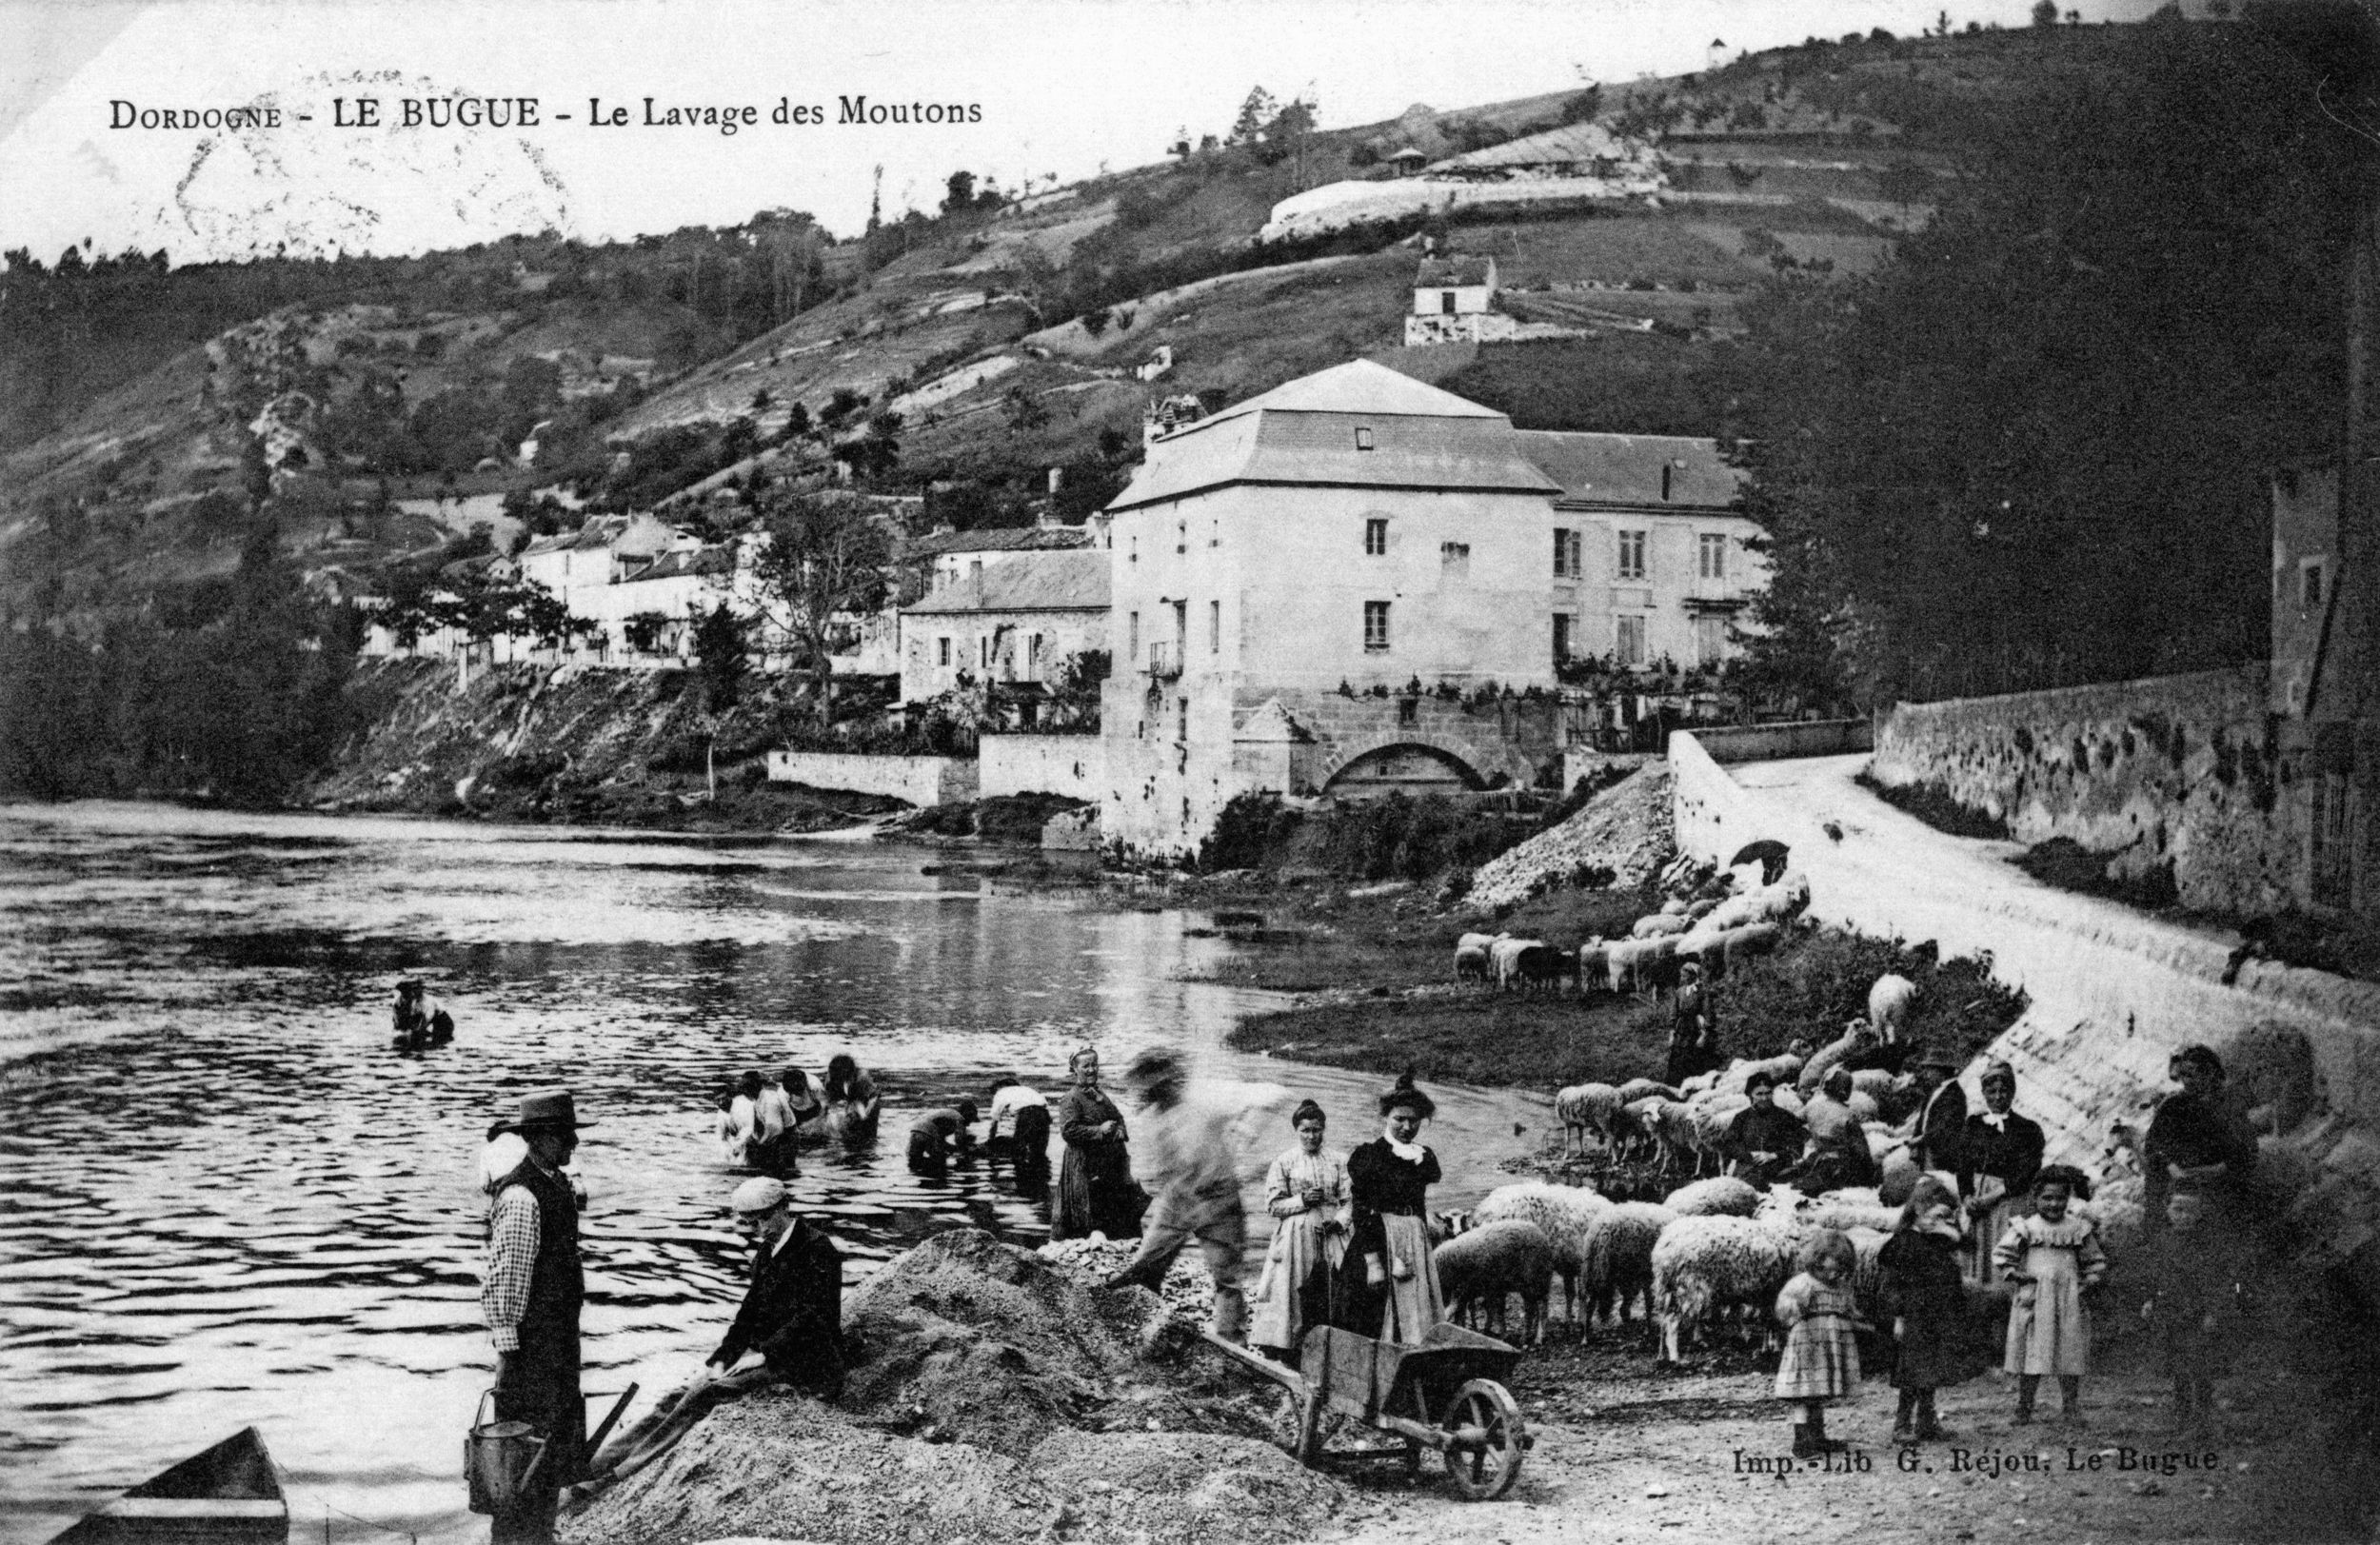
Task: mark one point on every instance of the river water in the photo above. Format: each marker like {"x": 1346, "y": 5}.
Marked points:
{"x": 224, "y": 1200}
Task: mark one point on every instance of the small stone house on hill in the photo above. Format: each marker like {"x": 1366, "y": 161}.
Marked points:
{"x": 1454, "y": 300}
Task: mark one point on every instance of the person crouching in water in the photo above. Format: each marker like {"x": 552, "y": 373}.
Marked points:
{"x": 1187, "y": 1163}
{"x": 939, "y": 1135}
{"x": 1389, "y": 1289}
{"x": 2055, "y": 1259}
{"x": 1821, "y": 1360}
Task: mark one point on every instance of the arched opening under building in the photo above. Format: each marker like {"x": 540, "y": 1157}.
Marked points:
{"x": 1404, "y": 769}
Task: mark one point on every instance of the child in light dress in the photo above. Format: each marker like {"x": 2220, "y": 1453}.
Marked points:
{"x": 1821, "y": 1360}
{"x": 2055, "y": 1259}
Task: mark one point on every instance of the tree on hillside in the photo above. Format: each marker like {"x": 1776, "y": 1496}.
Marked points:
{"x": 2045, "y": 14}
{"x": 1258, "y": 111}
{"x": 821, "y": 558}
{"x": 959, "y": 195}
{"x": 722, "y": 643}
{"x": 2029, "y": 450}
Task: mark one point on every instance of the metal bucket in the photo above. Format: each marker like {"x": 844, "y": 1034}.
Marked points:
{"x": 498, "y": 1458}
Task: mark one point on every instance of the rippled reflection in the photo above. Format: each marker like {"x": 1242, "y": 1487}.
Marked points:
{"x": 226, "y": 1200}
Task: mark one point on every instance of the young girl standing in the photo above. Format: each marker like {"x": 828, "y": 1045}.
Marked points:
{"x": 1918, "y": 1279}
{"x": 2053, "y": 1259}
{"x": 1821, "y": 1358}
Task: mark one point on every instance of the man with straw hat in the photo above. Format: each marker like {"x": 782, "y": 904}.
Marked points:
{"x": 531, "y": 1300}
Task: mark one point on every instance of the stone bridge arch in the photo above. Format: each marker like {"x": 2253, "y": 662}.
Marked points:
{"x": 1475, "y": 765}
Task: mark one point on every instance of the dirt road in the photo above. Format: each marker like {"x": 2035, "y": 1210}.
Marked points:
{"x": 1628, "y": 1452}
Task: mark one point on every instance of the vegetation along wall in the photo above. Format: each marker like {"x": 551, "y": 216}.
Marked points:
{"x": 2177, "y": 776}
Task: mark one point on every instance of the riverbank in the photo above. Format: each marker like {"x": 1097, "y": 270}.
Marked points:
{"x": 1000, "y": 1400}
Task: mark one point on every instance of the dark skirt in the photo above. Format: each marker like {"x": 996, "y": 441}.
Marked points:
{"x": 1096, "y": 1194}
{"x": 1947, "y": 1348}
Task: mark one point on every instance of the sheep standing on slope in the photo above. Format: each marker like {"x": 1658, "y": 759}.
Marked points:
{"x": 1702, "y": 1265}
{"x": 1471, "y": 957}
{"x": 1620, "y": 1260}
{"x": 1889, "y": 1003}
{"x": 1563, "y": 1213}
{"x": 1478, "y": 1270}
{"x": 1585, "y": 1105}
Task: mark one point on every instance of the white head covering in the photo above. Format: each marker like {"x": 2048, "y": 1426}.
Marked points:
{"x": 761, "y": 1193}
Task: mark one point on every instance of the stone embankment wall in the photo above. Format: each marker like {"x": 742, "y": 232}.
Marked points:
{"x": 2179, "y": 771}
{"x": 919, "y": 781}
{"x": 1075, "y": 766}
{"x": 2113, "y": 991}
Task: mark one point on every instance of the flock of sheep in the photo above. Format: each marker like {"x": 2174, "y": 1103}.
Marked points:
{"x": 1712, "y": 931}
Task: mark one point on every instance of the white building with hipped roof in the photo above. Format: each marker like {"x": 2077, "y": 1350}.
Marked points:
{"x": 1314, "y": 591}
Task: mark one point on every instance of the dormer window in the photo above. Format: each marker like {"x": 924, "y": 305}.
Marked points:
{"x": 1364, "y": 440}
{"x": 1665, "y": 476}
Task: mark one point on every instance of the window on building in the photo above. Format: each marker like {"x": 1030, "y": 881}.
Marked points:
{"x": 1376, "y": 537}
{"x": 1631, "y": 561}
{"x": 1564, "y": 625}
{"x": 1712, "y": 554}
{"x": 1709, "y": 640}
{"x": 1033, "y": 658}
{"x": 983, "y": 648}
{"x": 1182, "y": 723}
{"x": 1628, "y": 640}
{"x": 1374, "y": 626}
{"x": 1132, "y": 636}
{"x": 1182, "y": 536}
{"x": 1455, "y": 561}
{"x": 1408, "y": 712}
{"x": 1132, "y": 549}
{"x": 1567, "y": 553}
{"x": 2309, "y": 578}
{"x": 1665, "y": 480}
{"x": 1446, "y": 302}
{"x": 1214, "y": 627}
{"x": 1364, "y": 439}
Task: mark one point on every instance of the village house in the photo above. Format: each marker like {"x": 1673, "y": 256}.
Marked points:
{"x": 600, "y": 552}
{"x": 1286, "y": 574}
{"x": 1454, "y": 302}
{"x": 1651, "y": 560}
{"x": 1018, "y": 618}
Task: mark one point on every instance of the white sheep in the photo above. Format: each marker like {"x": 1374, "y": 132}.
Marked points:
{"x": 1704, "y": 1264}
{"x": 1787, "y": 1098}
{"x": 1783, "y": 1068}
{"x": 1585, "y": 1105}
{"x": 1855, "y": 1036}
{"x": 1889, "y": 1003}
{"x": 1635, "y": 1089}
{"x": 1725, "y": 1195}
{"x": 1620, "y": 1260}
{"x": 1595, "y": 961}
{"x": 1478, "y": 1270}
{"x": 1654, "y": 924}
{"x": 1864, "y": 1107}
{"x": 1471, "y": 956}
{"x": 1562, "y": 1211}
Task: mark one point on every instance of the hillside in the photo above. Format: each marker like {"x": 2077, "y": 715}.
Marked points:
{"x": 978, "y": 347}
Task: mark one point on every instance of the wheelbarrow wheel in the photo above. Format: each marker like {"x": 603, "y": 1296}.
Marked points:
{"x": 1483, "y": 1440}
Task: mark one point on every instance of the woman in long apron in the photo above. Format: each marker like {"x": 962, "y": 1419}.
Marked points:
{"x": 1096, "y": 1193}
{"x": 1389, "y": 1288}
{"x": 1998, "y": 1161}
{"x": 1306, "y": 1191}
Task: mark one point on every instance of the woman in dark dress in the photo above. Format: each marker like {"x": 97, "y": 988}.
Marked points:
{"x": 1694, "y": 1037}
{"x": 2198, "y": 1141}
{"x": 1919, "y": 1283}
{"x": 1095, "y": 1190}
{"x": 1389, "y": 1285}
{"x": 1998, "y": 1158}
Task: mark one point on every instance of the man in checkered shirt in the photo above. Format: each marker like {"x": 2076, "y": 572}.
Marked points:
{"x": 531, "y": 1298}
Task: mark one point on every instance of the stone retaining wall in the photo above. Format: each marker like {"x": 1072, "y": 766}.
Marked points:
{"x": 920, "y": 780}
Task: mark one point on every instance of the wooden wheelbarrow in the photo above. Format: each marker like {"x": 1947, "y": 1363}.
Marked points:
{"x": 1446, "y": 1395}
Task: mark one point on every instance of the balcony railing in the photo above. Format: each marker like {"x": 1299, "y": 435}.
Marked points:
{"x": 1164, "y": 661}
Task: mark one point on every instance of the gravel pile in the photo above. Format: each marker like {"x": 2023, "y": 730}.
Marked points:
{"x": 1188, "y": 1289}
{"x": 995, "y": 1398}
{"x": 1624, "y": 830}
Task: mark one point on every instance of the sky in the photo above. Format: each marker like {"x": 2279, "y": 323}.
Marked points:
{"x": 1056, "y": 88}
